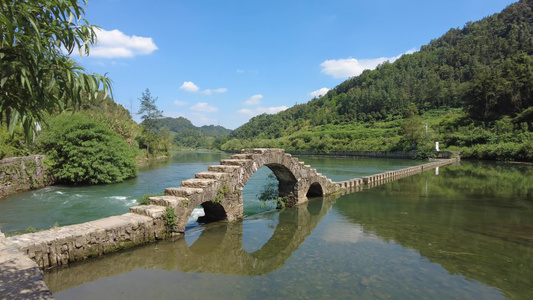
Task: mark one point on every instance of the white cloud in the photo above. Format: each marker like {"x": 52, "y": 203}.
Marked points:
{"x": 246, "y": 111}
{"x": 261, "y": 110}
{"x": 180, "y": 103}
{"x": 274, "y": 110}
{"x": 348, "y": 67}
{"x": 203, "y": 107}
{"x": 209, "y": 91}
{"x": 115, "y": 44}
{"x": 190, "y": 87}
{"x": 320, "y": 92}
{"x": 240, "y": 71}
{"x": 254, "y": 100}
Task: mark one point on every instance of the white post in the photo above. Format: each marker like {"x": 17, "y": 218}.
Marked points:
{"x": 437, "y": 146}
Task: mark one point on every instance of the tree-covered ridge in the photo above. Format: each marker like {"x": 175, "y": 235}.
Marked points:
{"x": 484, "y": 69}
{"x": 184, "y": 134}
{"x": 180, "y": 124}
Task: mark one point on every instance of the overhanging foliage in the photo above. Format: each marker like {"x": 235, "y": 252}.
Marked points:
{"x": 37, "y": 76}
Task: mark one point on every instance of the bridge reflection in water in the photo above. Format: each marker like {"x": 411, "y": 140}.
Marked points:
{"x": 218, "y": 250}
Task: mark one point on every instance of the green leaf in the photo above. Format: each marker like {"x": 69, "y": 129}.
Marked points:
{"x": 43, "y": 78}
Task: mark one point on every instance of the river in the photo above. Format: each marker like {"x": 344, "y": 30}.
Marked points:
{"x": 462, "y": 232}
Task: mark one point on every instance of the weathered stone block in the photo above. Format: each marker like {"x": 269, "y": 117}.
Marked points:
{"x": 198, "y": 183}
{"x": 183, "y": 191}
{"x": 224, "y": 168}
{"x": 213, "y": 175}
{"x": 235, "y": 162}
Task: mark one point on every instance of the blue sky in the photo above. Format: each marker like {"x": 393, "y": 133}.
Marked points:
{"x": 223, "y": 62}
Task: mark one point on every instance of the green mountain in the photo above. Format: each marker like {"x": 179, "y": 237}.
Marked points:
{"x": 472, "y": 86}
{"x": 185, "y": 134}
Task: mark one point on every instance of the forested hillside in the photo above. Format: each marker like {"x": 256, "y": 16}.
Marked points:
{"x": 184, "y": 134}
{"x": 473, "y": 87}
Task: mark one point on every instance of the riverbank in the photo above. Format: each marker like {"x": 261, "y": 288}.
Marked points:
{"x": 373, "y": 154}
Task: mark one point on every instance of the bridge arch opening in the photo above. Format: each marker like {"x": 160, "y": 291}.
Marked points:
{"x": 207, "y": 238}
{"x": 314, "y": 207}
{"x": 315, "y": 190}
{"x": 268, "y": 183}
{"x": 261, "y": 187}
{"x": 287, "y": 181}
{"x": 213, "y": 212}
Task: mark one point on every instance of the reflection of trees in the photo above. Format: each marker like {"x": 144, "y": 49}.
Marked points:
{"x": 475, "y": 220}
{"x": 496, "y": 179}
{"x": 217, "y": 250}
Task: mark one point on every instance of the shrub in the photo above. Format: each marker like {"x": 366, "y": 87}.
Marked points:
{"x": 525, "y": 152}
{"x": 145, "y": 199}
{"x": 84, "y": 151}
{"x": 170, "y": 219}
{"x": 424, "y": 153}
{"x": 12, "y": 146}
{"x": 270, "y": 192}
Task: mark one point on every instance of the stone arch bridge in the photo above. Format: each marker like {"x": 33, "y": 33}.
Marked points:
{"x": 219, "y": 190}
